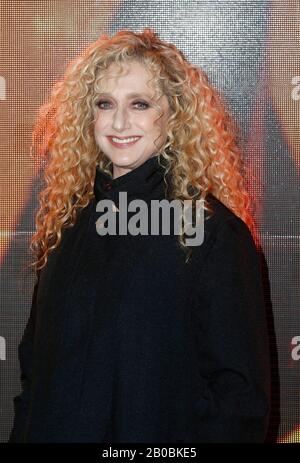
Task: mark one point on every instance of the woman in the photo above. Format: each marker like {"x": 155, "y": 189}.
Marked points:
{"x": 139, "y": 337}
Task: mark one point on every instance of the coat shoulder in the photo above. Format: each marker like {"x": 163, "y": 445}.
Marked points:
{"x": 221, "y": 212}
{"x": 224, "y": 227}
{"x": 222, "y": 217}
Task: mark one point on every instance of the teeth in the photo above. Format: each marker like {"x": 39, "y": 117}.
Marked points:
{"x": 126, "y": 140}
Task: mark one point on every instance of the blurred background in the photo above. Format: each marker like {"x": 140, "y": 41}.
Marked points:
{"x": 250, "y": 51}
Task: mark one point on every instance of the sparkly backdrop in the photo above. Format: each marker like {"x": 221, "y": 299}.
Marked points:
{"x": 250, "y": 51}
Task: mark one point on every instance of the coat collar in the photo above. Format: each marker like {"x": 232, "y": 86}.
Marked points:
{"x": 144, "y": 182}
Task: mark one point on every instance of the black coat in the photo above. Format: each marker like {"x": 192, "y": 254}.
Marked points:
{"x": 128, "y": 343}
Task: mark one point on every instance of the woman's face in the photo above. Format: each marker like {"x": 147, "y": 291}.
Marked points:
{"x": 125, "y": 110}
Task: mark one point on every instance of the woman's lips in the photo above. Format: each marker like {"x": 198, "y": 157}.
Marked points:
{"x": 122, "y": 145}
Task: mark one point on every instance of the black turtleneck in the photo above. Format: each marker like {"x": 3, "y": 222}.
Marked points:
{"x": 128, "y": 343}
{"x": 144, "y": 182}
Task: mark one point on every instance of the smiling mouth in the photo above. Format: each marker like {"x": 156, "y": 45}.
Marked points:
{"x": 124, "y": 141}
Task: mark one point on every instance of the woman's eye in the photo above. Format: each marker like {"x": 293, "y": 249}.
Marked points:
{"x": 144, "y": 105}
{"x": 141, "y": 104}
{"x": 102, "y": 102}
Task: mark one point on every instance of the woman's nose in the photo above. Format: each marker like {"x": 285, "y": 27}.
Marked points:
{"x": 121, "y": 119}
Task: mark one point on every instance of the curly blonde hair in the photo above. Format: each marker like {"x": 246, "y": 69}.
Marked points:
{"x": 201, "y": 149}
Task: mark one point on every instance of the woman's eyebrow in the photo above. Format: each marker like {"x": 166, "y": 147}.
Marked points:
{"x": 129, "y": 95}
